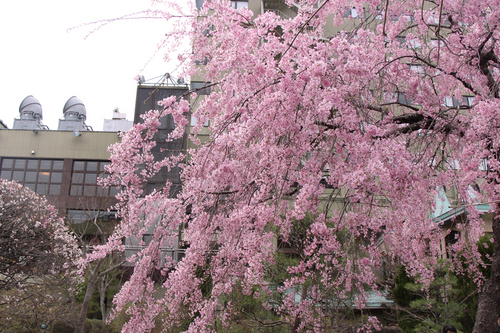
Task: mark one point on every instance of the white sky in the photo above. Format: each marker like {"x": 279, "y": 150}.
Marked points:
{"x": 40, "y": 57}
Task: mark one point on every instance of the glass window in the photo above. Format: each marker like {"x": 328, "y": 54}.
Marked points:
{"x": 468, "y": 100}
{"x": 88, "y": 191}
{"x": 33, "y": 164}
{"x": 239, "y": 4}
{"x": 56, "y": 177}
{"x": 101, "y": 191}
{"x": 19, "y": 164}
{"x": 76, "y": 190}
{"x": 30, "y": 186}
{"x": 55, "y": 189}
{"x": 113, "y": 190}
{"x": 43, "y": 177}
{"x": 87, "y": 172}
{"x": 81, "y": 216}
{"x": 146, "y": 238}
{"x": 30, "y": 176}
{"x": 90, "y": 178}
{"x": 200, "y": 88}
{"x": 79, "y": 165}
{"x": 91, "y": 166}
{"x": 6, "y": 174}
{"x": 7, "y": 163}
{"x": 194, "y": 121}
{"x": 57, "y": 165}
{"x": 18, "y": 176}
{"x": 37, "y": 172}
{"x": 42, "y": 189}
{"x": 45, "y": 165}
{"x": 77, "y": 178}
{"x": 102, "y": 166}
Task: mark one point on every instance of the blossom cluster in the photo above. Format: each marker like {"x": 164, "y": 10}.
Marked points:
{"x": 335, "y": 142}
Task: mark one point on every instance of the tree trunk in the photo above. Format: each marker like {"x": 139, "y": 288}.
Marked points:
{"x": 89, "y": 292}
{"x": 296, "y": 323}
{"x": 489, "y": 299}
{"x": 102, "y": 297}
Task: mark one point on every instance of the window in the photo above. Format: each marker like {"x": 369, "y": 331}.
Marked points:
{"x": 450, "y": 239}
{"x": 436, "y": 42}
{"x": 354, "y": 13}
{"x": 448, "y": 101}
{"x": 208, "y": 31}
{"x": 146, "y": 238}
{"x": 200, "y": 88}
{"x": 239, "y": 4}
{"x": 468, "y": 100}
{"x": 414, "y": 44}
{"x": 417, "y": 69}
{"x": 84, "y": 179}
{"x": 201, "y": 62}
{"x": 453, "y": 102}
{"x": 199, "y": 4}
{"x": 86, "y": 216}
{"x": 194, "y": 121}
{"x": 407, "y": 18}
{"x": 434, "y": 19}
{"x": 403, "y": 99}
{"x": 398, "y": 97}
{"x": 483, "y": 166}
{"x": 42, "y": 176}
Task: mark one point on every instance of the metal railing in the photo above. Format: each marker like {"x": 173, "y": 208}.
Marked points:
{"x": 278, "y": 12}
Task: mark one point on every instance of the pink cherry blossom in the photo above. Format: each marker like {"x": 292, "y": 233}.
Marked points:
{"x": 348, "y": 134}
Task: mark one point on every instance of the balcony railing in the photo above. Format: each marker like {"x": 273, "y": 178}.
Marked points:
{"x": 278, "y": 12}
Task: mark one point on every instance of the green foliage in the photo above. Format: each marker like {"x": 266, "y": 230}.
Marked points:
{"x": 94, "y": 310}
{"x": 403, "y": 297}
{"x": 451, "y": 298}
{"x": 467, "y": 288}
{"x": 251, "y": 315}
{"x": 61, "y": 327}
{"x": 96, "y": 326}
{"x": 428, "y": 310}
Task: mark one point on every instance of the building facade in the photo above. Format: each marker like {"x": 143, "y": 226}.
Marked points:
{"x": 63, "y": 167}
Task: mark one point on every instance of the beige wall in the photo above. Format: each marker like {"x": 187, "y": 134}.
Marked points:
{"x": 56, "y": 144}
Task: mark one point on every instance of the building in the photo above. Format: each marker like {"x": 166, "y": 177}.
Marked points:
{"x": 148, "y": 96}
{"x": 63, "y": 165}
{"x": 118, "y": 123}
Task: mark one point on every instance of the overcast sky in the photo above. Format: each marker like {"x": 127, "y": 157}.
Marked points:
{"x": 40, "y": 57}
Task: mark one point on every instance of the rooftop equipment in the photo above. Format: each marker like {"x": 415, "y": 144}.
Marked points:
{"x": 30, "y": 115}
{"x": 75, "y": 115}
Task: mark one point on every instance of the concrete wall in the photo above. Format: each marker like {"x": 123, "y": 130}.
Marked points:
{"x": 56, "y": 144}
